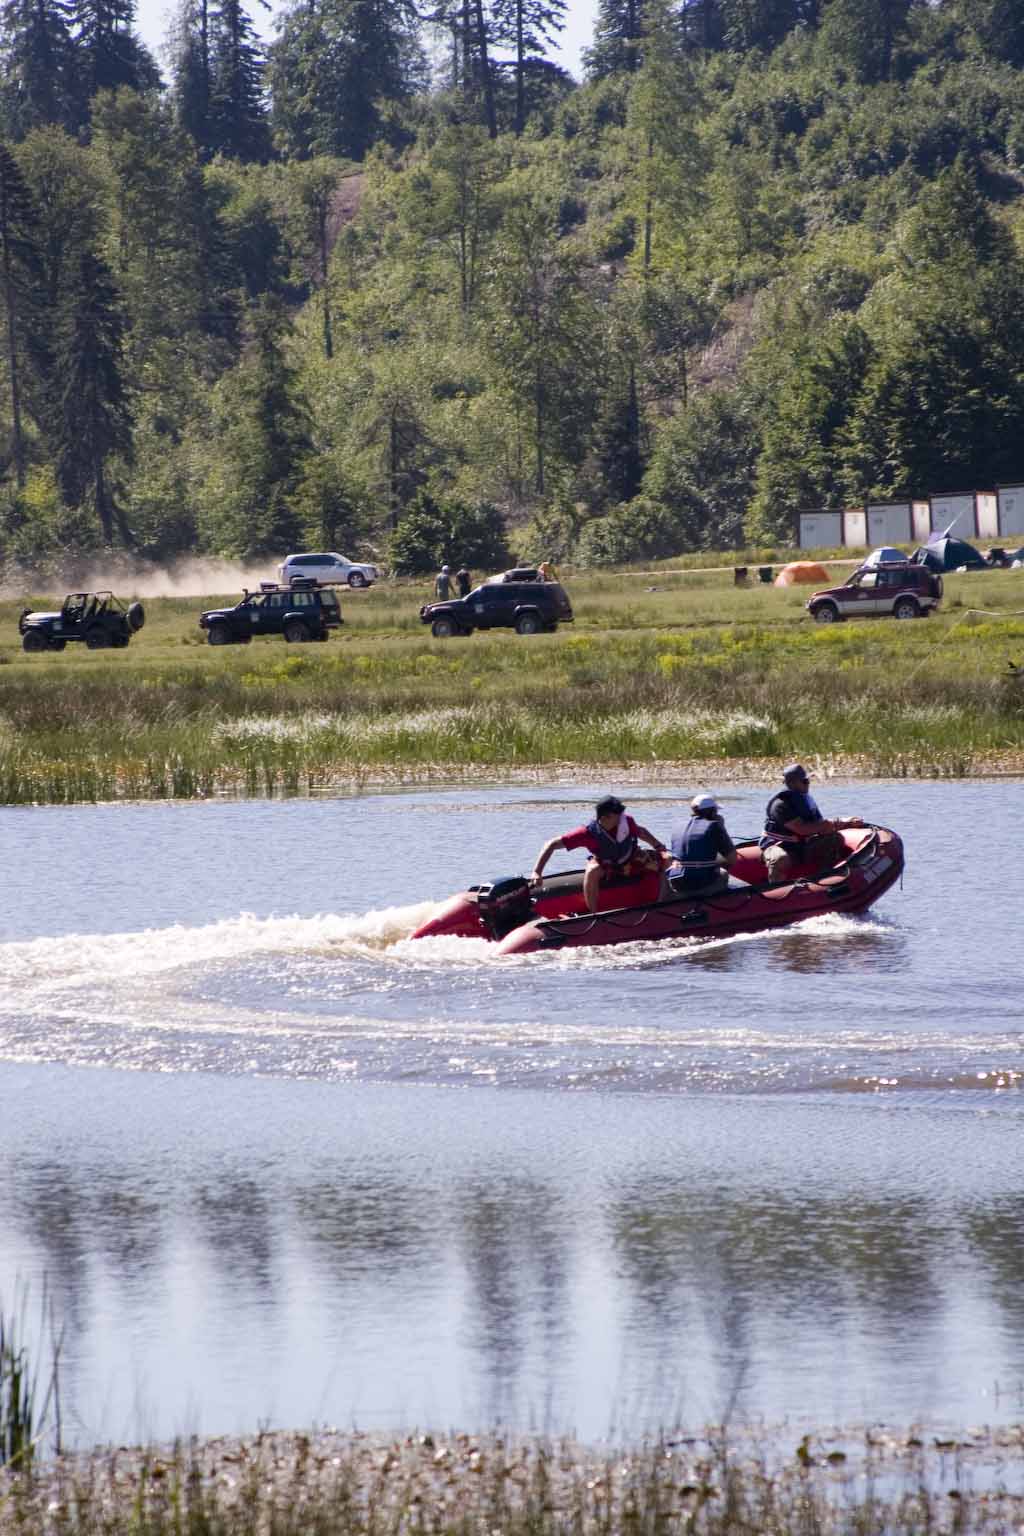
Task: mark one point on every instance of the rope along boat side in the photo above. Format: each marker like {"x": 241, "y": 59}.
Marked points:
{"x": 520, "y": 921}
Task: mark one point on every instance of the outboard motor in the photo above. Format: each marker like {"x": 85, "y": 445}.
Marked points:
{"x": 505, "y": 904}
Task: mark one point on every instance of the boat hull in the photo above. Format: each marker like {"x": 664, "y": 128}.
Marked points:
{"x": 560, "y": 895}
{"x": 871, "y": 868}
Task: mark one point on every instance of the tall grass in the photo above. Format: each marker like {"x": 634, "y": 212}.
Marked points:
{"x": 332, "y": 1485}
{"x": 29, "y": 1401}
{"x": 705, "y": 681}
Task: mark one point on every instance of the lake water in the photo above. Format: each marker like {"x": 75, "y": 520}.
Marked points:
{"x": 277, "y": 1164}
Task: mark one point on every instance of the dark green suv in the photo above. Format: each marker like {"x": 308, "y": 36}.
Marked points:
{"x": 304, "y": 611}
{"x": 528, "y": 607}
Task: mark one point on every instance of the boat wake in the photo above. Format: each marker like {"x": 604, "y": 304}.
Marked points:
{"x": 71, "y": 961}
{"x": 66, "y": 963}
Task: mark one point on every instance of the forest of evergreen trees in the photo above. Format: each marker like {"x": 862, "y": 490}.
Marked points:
{"x": 395, "y": 284}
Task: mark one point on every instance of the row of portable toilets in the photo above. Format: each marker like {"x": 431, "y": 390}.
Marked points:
{"x": 997, "y": 514}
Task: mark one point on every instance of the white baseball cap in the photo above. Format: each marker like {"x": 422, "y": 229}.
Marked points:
{"x": 704, "y": 803}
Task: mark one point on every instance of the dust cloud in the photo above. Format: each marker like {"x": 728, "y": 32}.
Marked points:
{"x": 129, "y": 579}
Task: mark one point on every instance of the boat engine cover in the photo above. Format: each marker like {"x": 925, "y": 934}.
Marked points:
{"x": 505, "y": 904}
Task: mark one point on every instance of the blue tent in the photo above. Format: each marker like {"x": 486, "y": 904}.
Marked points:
{"x": 942, "y": 553}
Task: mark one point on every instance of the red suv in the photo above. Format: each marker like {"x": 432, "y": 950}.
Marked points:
{"x": 895, "y": 591}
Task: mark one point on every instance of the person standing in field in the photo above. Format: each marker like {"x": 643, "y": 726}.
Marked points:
{"x": 463, "y": 581}
{"x": 443, "y": 583}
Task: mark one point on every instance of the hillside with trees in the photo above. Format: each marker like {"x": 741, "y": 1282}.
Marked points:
{"x": 396, "y": 284}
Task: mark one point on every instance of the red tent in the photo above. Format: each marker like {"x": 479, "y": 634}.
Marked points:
{"x": 801, "y": 570}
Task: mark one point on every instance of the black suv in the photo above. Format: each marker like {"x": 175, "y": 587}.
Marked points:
{"x": 525, "y": 606}
{"x": 303, "y": 611}
{"x": 98, "y": 618}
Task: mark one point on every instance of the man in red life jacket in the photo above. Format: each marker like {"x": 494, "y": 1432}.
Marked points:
{"x": 611, "y": 840}
{"x": 795, "y": 829}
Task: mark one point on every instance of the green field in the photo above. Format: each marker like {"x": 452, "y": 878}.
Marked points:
{"x": 661, "y": 668}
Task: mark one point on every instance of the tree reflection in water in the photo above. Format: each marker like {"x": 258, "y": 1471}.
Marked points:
{"x": 540, "y": 1260}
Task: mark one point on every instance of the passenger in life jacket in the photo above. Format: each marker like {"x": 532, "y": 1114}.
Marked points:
{"x": 795, "y": 829}
{"x": 611, "y": 840}
{"x": 702, "y": 851}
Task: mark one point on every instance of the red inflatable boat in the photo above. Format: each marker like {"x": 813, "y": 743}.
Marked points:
{"x": 554, "y": 916}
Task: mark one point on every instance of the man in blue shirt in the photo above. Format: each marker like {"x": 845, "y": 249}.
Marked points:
{"x": 702, "y": 851}
{"x": 796, "y": 831}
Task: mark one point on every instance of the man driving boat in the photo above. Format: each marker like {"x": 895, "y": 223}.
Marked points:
{"x": 795, "y": 829}
{"x": 611, "y": 840}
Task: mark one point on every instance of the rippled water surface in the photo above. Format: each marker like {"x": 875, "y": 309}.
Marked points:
{"x": 279, "y": 1163}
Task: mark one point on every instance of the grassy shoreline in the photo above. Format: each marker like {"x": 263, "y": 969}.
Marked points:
{"x": 714, "y": 1481}
{"x": 693, "y": 680}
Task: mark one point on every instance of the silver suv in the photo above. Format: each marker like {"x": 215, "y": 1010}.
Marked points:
{"x": 325, "y": 567}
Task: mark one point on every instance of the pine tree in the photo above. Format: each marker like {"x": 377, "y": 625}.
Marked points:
{"x": 861, "y": 37}
{"x": 95, "y": 422}
{"x": 37, "y": 79}
{"x": 998, "y": 25}
{"x": 311, "y": 188}
{"x": 191, "y": 73}
{"x": 618, "y": 34}
{"x": 159, "y": 218}
{"x": 67, "y": 191}
{"x": 260, "y": 446}
{"x": 474, "y": 34}
{"x": 527, "y": 27}
{"x": 542, "y": 332}
{"x": 451, "y": 199}
{"x": 333, "y": 65}
{"x": 108, "y": 54}
{"x": 238, "y": 123}
{"x": 19, "y": 262}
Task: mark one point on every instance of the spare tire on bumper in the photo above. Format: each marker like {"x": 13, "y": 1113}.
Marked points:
{"x": 136, "y": 617}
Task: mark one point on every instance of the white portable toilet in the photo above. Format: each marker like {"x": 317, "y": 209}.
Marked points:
{"x": 855, "y": 527}
{"x": 889, "y": 523}
{"x": 986, "y": 512}
{"x": 954, "y": 511}
{"x": 821, "y": 530}
{"x": 920, "y": 521}
{"x": 1010, "y": 501}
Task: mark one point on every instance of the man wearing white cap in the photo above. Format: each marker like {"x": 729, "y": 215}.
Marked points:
{"x": 702, "y": 851}
{"x": 795, "y": 829}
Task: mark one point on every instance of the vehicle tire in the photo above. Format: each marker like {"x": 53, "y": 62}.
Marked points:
{"x": 356, "y": 579}
{"x": 444, "y": 629}
{"x": 219, "y": 634}
{"x": 33, "y": 640}
{"x": 528, "y": 624}
{"x": 136, "y": 617}
{"x": 826, "y": 613}
{"x": 906, "y": 608}
{"x": 295, "y": 632}
{"x": 97, "y": 638}
{"x": 57, "y": 645}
